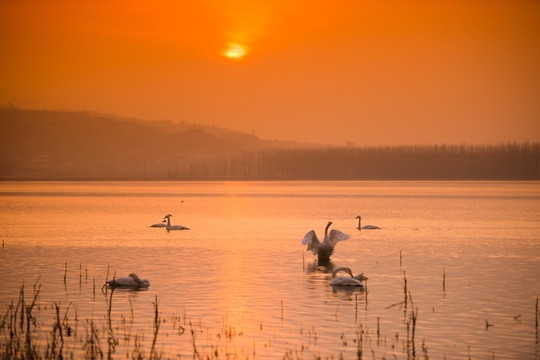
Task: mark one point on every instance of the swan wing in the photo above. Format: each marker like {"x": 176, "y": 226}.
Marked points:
{"x": 312, "y": 241}
{"x": 360, "y": 277}
{"x": 337, "y": 236}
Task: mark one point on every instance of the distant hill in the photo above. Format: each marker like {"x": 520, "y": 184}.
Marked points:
{"x": 70, "y": 144}
{"x": 48, "y": 145}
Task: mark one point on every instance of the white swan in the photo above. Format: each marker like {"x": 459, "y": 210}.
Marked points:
{"x": 347, "y": 280}
{"x": 161, "y": 224}
{"x": 326, "y": 248}
{"x": 366, "y": 227}
{"x": 175, "y": 227}
{"x": 129, "y": 281}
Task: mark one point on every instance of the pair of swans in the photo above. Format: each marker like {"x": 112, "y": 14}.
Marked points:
{"x": 168, "y": 226}
{"x": 325, "y": 249}
{"x": 132, "y": 281}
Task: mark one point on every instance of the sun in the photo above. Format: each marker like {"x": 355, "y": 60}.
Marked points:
{"x": 235, "y": 51}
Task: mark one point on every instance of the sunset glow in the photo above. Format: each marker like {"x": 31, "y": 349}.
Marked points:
{"x": 220, "y": 149}
{"x": 403, "y": 72}
{"x": 235, "y": 51}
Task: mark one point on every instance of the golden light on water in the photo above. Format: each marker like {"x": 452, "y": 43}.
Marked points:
{"x": 235, "y": 51}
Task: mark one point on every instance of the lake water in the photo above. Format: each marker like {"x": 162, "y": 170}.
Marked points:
{"x": 239, "y": 284}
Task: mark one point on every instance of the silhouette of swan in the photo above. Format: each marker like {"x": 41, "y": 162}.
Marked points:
{"x": 174, "y": 227}
{"x": 161, "y": 224}
{"x": 128, "y": 281}
{"x": 347, "y": 280}
{"x": 325, "y": 249}
{"x": 366, "y": 227}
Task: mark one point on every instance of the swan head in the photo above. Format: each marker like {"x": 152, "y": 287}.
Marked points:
{"x": 167, "y": 216}
{"x": 358, "y": 217}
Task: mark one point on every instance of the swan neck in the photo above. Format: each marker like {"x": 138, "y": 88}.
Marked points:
{"x": 359, "y": 222}
{"x": 345, "y": 269}
{"x": 326, "y": 230}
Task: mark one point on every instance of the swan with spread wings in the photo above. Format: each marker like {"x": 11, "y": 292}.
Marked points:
{"x": 325, "y": 249}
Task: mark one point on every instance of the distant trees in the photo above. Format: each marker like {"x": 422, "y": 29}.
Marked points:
{"x": 42, "y": 145}
{"x": 435, "y": 162}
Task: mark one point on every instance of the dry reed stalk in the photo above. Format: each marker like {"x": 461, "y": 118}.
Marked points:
{"x": 536, "y": 317}
{"x": 405, "y": 291}
{"x": 157, "y": 322}
{"x": 366, "y": 292}
{"x": 378, "y": 330}
{"x": 107, "y": 276}
{"x": 444, "y": 280}
{"x": 355, "y": 307}
{"x": 195, "y": 351}
{"x": 359, "y": 342}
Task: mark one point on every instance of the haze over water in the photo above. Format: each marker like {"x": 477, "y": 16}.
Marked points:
{"x": 468, "y": 250}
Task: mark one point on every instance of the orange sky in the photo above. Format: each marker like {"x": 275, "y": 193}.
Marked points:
{"x": 373, "y": 72}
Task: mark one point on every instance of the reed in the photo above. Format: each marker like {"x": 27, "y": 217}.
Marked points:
{"x": 157, "y": 323}
{"x": 536, "y": 316}
{"x": 366, "y": 292}
{"x": 111, "y": 337}
{"x": 444, "y": 280}
{"x": 355, "y": 307}
{"x": 359, "y": 342}
{"x": 405, "y": 290}
{"x": 193, "y": 339}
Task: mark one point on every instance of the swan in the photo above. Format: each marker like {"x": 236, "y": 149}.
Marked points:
{"x": 366, "y": 227}
{"x": 161, "y": 224}
{"x": 326, "y": 248}
{"x": 347, "y": 280}
{"x": 132, "y": 281}
{"x": 175, "y": 227}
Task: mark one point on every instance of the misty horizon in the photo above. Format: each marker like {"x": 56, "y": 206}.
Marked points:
{"x": 47, "y": 145}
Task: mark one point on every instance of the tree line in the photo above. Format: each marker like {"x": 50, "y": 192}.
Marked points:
{"x": 436, "y": 162}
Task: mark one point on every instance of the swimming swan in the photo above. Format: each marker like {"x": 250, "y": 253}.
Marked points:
{"x": 366, "y": 227}
{"x": 326, "y": 248}
{"x": 129, "y": 281}
{"x": 175, "y": 227}
{"x": 347, "y": 280}
{"x": 161, "y": 224}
